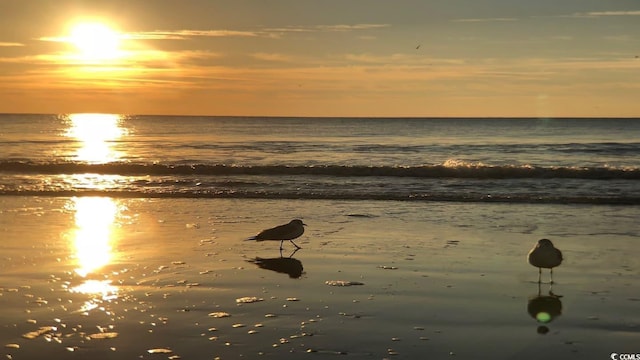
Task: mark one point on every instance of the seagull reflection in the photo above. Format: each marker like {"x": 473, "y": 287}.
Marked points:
{"x": 544, "y": 308}
{"x": 286, "y": 265}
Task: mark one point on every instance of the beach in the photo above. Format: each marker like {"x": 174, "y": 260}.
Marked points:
{"x": 173, "y": 278}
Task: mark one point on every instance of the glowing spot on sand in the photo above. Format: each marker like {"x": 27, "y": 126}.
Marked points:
{"x": 219, "y": 314}
{"x": 159, "y": 351}
{"x": 41, "y": 331}
{"x": 101, "y": 287}
{"x": 105, "y": 335}
{"x": 342, "y": 283}
{"x": 248, "y": 300}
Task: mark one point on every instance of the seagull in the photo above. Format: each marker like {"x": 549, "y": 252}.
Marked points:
{"x": 545, "y": 255}
{"x": 290, "y": 231}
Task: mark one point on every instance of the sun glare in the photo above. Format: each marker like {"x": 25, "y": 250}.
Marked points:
{"x": 96, "y": 134}
{"x": 95, "y": 41}
{"x": 94, "y": 220}
{"x": 92, "y": 246}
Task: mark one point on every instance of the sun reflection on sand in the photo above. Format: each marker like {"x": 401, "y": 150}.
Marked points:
{"x": 94, "y": 218}
{"x": 96, "y": 134}
{"x": 92, "y": 243}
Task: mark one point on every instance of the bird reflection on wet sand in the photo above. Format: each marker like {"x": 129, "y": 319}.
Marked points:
{"x": 544, "y": 308}
{"x": 286, "y": 265}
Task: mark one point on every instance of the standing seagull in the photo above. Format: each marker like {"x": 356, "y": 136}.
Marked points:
{"x": 545, "y": 255}
{"x": 289, "y": 231}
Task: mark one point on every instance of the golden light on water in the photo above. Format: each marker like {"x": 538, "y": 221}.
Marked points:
{"x": 96, "y": 134}
{"x": 94, "y": 219}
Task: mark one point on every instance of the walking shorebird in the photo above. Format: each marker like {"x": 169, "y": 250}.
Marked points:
{"x": 545, "y": 255}
{"x": 290, "y": 231}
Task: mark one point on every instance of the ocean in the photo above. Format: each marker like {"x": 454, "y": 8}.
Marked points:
{"x": 563, "y": 161}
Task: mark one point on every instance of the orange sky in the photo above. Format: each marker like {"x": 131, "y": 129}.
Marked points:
{"x": 322, "y": 58}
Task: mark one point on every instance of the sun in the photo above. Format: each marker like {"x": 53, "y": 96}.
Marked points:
{"x": 95, "y": 41}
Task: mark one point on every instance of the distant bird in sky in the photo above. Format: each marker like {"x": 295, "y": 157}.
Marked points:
{"x": 545, "y": 255}
{"x": 290, "y": 231}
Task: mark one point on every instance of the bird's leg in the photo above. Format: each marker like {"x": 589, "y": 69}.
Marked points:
{"x": 551, "y": 276}
{"x": 296, "y": 245}
{"x": 281, "y": 241}
{"x": 539, "y": 275}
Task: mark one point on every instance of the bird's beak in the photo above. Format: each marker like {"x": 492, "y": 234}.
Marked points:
{"x": 304, "y": 224}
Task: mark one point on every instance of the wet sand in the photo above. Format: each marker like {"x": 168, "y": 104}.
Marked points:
{"x": 108, "y": 278}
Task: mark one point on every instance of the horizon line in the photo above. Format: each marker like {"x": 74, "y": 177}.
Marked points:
{"x": 330, "y": 117}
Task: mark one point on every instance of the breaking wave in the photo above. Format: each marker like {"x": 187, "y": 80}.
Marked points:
{"x": 449, "y": 169}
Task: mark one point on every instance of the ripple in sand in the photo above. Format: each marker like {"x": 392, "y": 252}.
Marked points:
{"x": 219, "y": 314}
{"x": 248, "y": 300}
{"x": 342, "y": 283}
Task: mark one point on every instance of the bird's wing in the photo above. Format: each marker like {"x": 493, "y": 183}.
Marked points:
{"x": 276, "y": 233}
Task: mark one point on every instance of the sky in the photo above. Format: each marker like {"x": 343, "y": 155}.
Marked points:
{"x": 373, "y": 58}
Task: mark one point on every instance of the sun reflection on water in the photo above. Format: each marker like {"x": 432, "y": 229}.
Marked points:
{"x": 92, "y": 243}
{"x": 96, "y": 134}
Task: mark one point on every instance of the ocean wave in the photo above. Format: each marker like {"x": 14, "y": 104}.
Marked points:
{"x": 450, "y": 169}
{"x": 346, "y": 196}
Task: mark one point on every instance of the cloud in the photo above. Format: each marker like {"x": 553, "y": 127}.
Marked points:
{"x": 485, "y": 20}
{"x": 350, "y": 27}
{"x": 615, "y": 13}
{"x": 266, "y": 32}
{"x": 184, "y": 34}
{"x": 607, "y": 13}
{"x": 271, "y": 57}
{"x": 10, "y": 44}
